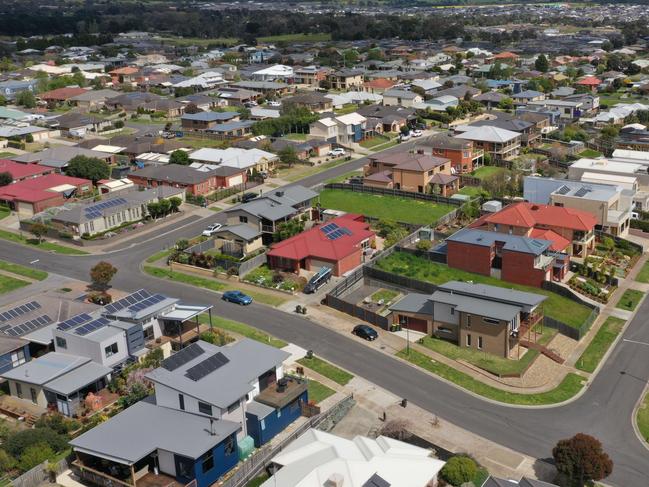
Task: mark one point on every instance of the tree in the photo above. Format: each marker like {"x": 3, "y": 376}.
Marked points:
{"x": 6, "y": 178}
{"x": 288, "y": 229}
{"x": 610, "y": 132}
{"x": 192, "y": 108}
{"x": 179, "y": 157}
{"x": 101, "y": 275}
{"x": 91, "y": 168}
{"x": 6, "y": 461}
{"x": 506, "y": 104}
{"x": 39, "y": 230}
{"x": 175, "y": 203}
{"x": 26, "y": 99}
{"x": 34, "y": 455}
{"x": 541, "y": 63}
{"x": 18, "y": 442}
{"x": 3, "y": 100}
{"x": 581, "y": 460}
{"x": 459, "y": 470}
{"x": 288, "y": 156}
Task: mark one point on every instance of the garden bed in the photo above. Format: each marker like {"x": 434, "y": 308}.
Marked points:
{"x": 280, "y": 281}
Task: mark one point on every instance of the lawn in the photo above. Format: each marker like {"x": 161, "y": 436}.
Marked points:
{"x": 486, "y": 171}
{"x": 471, "y": 190}
{"x": 374, "y": 141}
{"x": 257, "y": 481}
{"x": 590, "y": 153}
{"x": 298, "y": 137}
{"x": 8, "y": 284}
{"x": 293, "y": 175}
{"x": 344, "y": 177}
{"x": 347, "y": 108}
{"x": 384, "y": 207}
{"x": 158, "y": 256}
{"x": 330, "y": 371}
{"x": 630, "y": 300}
{"x": 316, "y": 37}
{"x": 35, "y": 274}
{"x": 555, "y": 306}
{"x": 642, "y": 418}
{"x": 598, "y": 347}
{"x": 319, "y": 392}
{"x": 47, "y": 246}
{"x": 386, "y": 295}
{"x": 243, "y": 330}
{"x": 7, "y": 155}
{"x": 215, "y": 208}
{"x": 643, "y": 275}
{"x": 570, "y": 385}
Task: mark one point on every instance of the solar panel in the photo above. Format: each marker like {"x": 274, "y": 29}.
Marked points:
{"x": 5, "y": 328}
{"x": 145, "y": 303}
{"x": 582, "y": 192}
{"x": 19, "y": 310}
{"x": 28, "y": 326}
{"x": 92, "y": 326}
{"x": 182, "y": 357}
{"x": 74, "y": 321}
{"x": 206, "y": 367}
{"x": 127, "y": 301}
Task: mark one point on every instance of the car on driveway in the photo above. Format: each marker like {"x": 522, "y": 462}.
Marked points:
{"x": 248, "y": 197}
{"x": 416, "y": 133}
{"x": 403, "y": 137}
{"x": 366, "y": 332}
{"x": 274, "y": 103}
{"x": 237, "y": 297}
{"x": 338, "y": 152}
{"x": 212, "y": 229}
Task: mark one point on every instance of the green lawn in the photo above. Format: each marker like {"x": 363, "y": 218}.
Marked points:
{"x": 8, "y": 284}
{"x": 298, "y": 137}
{"x": 386, "y": 295}
{"x": 642, "y": 418}
{"x": 570, "y": 385}
{"x": 374, "y": 141}
{"x": 7, "y": 155}
{"x": 471, "y": 190}
{"x": 643, "y": 275}
{"x": 348, "y": 108}
{"x": 292, "y": 175}
{"x": 158, "y": 256}
{"x": 316, "y": 37}
{"x": 4, "y": 212}
{"x": 629, "y": 299}
{"x": 344, "y": 177}
{"x": 555, "y": 306}
{"x": 215, "y": 208}
{"x": 257, "y": 481}
{"x": 319, "y": 392}
{"x": 486, "y": 171}
{"x": 384, "y": 207}
{"x": 35, "y": 274}
{"x": 242, "y": 329}
{"x": 590, "y": 153}
{"x": 330, "y": 371}
{"x": 47, "y": 246}
{"x": 598, "y": 347}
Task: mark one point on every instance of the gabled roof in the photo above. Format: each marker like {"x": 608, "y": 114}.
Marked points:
{"x": 589, "y": 81}
{"x": 515, "y": 243}
{"x": 411, "y": 162}
{"x": 61, "y": 93}
{"x": 444, "y": 141}
{"x": 489, "y": 133}
{"x": 529, "y": 215}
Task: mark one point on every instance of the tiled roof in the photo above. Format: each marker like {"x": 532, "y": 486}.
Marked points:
{"x": 529, "y": 215}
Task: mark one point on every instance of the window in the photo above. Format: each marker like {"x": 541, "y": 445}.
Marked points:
{"x": 19, "y": 390}
{"x": 279, "y": 413}
{"x": 32, "y": 391}
{"x": 18, "y": 358}
{"x": 262, "y": 424}
{"x": 490, "y": 320}
{"x": 233, "y": 407}
{"x": 229, "y": 446}
{"x": 420, "y": 189}
{"x": 110, "y": 350}
{"x": 208, "y": 462}
{"x": 243, "y": 219}
{"x": 480, "y": 342}
{"x": 181, "y": 401}
{"x": 61, "y": 342}
{"x": 205, "y": 408}
{"x": 452, "y": 310}
{"x": 468, "y": 340}
{"x": 468, "y": 321}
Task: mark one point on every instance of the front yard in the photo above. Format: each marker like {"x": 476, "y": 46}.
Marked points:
{"x": 319, "y": 392}
{"x": 326, "y": 369}
{"x": 643, "y": 275}
{"x": 630, "y": 300}
{"x": 265, "y": 277}
{"x": 601, "y": 342}
{"x": 384, "y": 207}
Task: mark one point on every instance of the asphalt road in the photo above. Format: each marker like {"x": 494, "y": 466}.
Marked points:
{"x": 604, "y": 410}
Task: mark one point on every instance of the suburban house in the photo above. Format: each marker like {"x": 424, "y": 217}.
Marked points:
{"x": 513, "y": 258}
{"x": 340, "y": 244}
{"x": 10, "y": 89}
{"x": 250, "y": 160}
{"x": 58, "y": 156}
{"x": 378, "y": 85}
{"x": 314, "y": 101}
{"x": 611, "y": 205}
{"x": 13, "y": 353}
{"x": 215, "y": 403}
{"x": 59, "y": 95}
{"x": 238, "y": 240}
{"x": 274, "y": 73}
{"x": 344, "y": 129}
{"x": 79, "y": 124}
{"x": 463, "y": 154}
{"x": 133, "y": 101}
{"x": 345, "y": 79}
{"x": 528, "y": 130}
{"x": 402, "y": 98}
{"x": 20, "y": 172}
{"x": 500, "y": 144}
{"x": 92, "y": 99}
{"x": 491, "y": 99}
{"x": 411, "y": 172}
{"x": 478, "y": 316}
{"x": 391, "y": 118}
{"x": 207, "y": 120}
{"x": 568, "y": 110}
{"x": 526, "y": 96}
{"x": 320, "y": 458}
{"x": 309, "y": 75}
{"x": 570, "y": 230}
{"x": 195, "y": 181}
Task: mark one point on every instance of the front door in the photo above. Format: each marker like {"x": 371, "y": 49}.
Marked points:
{"x": 62, "y": 405}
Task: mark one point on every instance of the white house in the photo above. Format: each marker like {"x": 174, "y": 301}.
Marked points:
{"x": 275, "y": 72}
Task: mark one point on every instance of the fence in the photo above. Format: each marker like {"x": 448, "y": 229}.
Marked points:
{"x": 39, "y": 474}
{"x": 242, "y": 267}
{"x": 255, "y": 464}
{"x": 469, "y": 181}
{"x": 358, "y": 188}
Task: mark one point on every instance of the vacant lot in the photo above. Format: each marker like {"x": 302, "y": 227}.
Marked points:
{"x": 384, "y": 207}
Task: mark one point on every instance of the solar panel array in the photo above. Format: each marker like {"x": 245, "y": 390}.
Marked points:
{"x": 563, "y": 190}
{"x": 206, "y": 367}
{"x": 582, "y": 192}
{"x": 155, "y": 299}
{"x": 332, "y": 231}
{"x": 182, "y": 357}
{"x": 74, "y": 321}
{"x": 27, "y": 327}
{"x": 96, "y": 211}
{"x": 92, "y": 326}
{"x": 19, "y": 311}
{"x": 127, "y": 301}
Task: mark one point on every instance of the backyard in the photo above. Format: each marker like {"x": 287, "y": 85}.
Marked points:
{"x": 384, "y": 207}
{"x": 487, "y": 171}
{"x": 600, "y": 344}
{"x": 555, "y": 306}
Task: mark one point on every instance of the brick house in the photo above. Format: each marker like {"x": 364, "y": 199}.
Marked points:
{"x": 462, "y": 153}
{"x": 196, "y": 182}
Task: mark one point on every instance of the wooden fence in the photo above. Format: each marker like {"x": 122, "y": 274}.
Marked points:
{"x": 39, "y": 474}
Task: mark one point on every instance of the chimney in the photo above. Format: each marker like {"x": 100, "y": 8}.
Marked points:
{"x": 334, "y": 480}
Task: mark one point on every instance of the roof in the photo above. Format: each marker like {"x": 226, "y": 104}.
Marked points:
{"x": 589, "y": 81}
{"x": 176, "y": 173}
{"x": 57, "y": 156}
{"x": 529, "y": 215}
{"x": 136, "y": 432}
{"x": 414, "y": 303}
{"x": 409, "y": 95}
{"x": 210, "y": 116}
{"x": 20, "y": 171}
{"x": 232, "y": 156}
{"x": 444, "y": 141}
{"x": 78, "y": 378}
{"x": 61, "y": 93}
{"x": 559, "y": 243}
{"x": 541, "y": 190}
{"x": 46, "y": 368}
{"x": 277, "y": 204}
{"x": 524, "y": 482}
{"x": 95, "y": 95}
{"x": 480, "y": 306}
{"x": 351, "y": 119}
{"x": 488, "y": 133}
{"x": 413, "y": 162}
{"x": 502, "y": 294}
{"x": 515, "y": 243}
{"x": 9, "y": 344}
{"x": 243, "y": 231}
{"x": 43, "y": 188}
{"x": 319, "y": 243}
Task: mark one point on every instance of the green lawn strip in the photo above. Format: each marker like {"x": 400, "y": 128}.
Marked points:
{"x": 642, "y": 418}
{"x": 7, "y": 155}
{"x": 570, "y": 385}
{"x": 600, "y": 344}
{"x": 471, "y": 190}
{"x": 257, "y": 481}
{"x": 643, "y": 275}
{"x": 298, "y": 137}
{"x": 4, "y": 211}
{"x": 326, "y": 369}
{"x": 629, "y": 299}
{"x": 486, "y": 171}
{"x": 555, "y": 306}
{"x": 590, "y": 153}
{"x": 243, "y": 330}
{"x": 158, "y": 256}
{"x": 215, "y": 208}
{"x": 374, "y": 141}
{"x": 8, "y": 284}
{"x": 47, "y": 246}
{"x": 388, "y": 207}
{"x": 35, "y": 274}
{"x": 319, "y": 392}
{"x": 315, "y": 169}
{"x": 344, "y": 177}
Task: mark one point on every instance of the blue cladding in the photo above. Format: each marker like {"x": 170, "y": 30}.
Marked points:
{"x": 222, "y": 464}
{"x": 272, "y": 424}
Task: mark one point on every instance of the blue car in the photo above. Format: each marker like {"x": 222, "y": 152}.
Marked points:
{"x": 237, "y": 297}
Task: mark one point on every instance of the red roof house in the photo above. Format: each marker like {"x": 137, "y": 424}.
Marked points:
{"x": 591, "y": 82}
{"x": 506, "y": 56}
{"x": 61, "y": 94}
{"x": 20, "y": 172}
{"x": 338, "y": 243}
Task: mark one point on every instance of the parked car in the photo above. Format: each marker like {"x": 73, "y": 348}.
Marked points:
{"x": 403, "y": 137}
{"x": 212, "y": 229}
{"x": 338, "y": 152}
{"x": 237, "y": 297}
{"x": 274, "y": 103}
{"x": 416, "y": 133}
{"x": 248, "y": 197}
{"x": 366, "y": 332}
{"x": 250, "y": 104}
{"x": 318, "y": 280}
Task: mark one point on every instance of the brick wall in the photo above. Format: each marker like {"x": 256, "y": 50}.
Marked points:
{"x": 519, "y": 268}
{"x": 470, "y": 258}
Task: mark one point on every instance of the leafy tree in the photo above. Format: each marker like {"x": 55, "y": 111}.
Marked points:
{"x": 153, "y": 359}
{"x": 136, "y": 393}
{"x": 34, "y": 455}
{"x": 6, "y": 178}
{"x": 610, "y": 132}
{"x": 7, "y": 462}
{"x": 179, "y": 157}
{"x": 581, "y": 460}
{"x": 18, "y": 442}
{"x": 154, "y": 209}
{"x": 192, "y": 108}
{"x": 459, "y": 470}
{"x": 541, "y": 63}
{"x": 506, "y": 104}
{"x": 288, "y": 229}
{"x": 175, "y": 203}
{"x": 26, "y": 99}
{"x": 101, "y": 275}
{"x": 288, "y": 156}
{"x": 182, "y": 244}
{"x": 91, "y": 168}
{"x": 39, "y": 230}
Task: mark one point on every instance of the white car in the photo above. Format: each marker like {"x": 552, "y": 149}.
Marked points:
{"x": 339, "y": 152}
{"x": 274, "y": 103}
{"x": 212, "y": 229}
{"x": 416, "y": 133}
{"x": 403, "y": 137}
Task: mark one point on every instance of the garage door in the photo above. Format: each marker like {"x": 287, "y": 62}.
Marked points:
{"x": 233, "y": 181}
{"x": 417, "y": 324}
{"x": 317, "y": 264}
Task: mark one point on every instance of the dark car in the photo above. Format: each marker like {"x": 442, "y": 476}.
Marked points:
{"x": 366, "y": 332}
{"x": 237, "y": 297}
{"x": 248, "y": 197}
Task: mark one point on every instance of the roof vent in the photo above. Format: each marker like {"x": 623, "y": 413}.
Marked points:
{"x": 334, "y": 480}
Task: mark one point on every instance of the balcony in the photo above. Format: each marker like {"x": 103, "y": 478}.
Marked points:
{"x": 285, "y": 391}
{"x": 477, "y": 154}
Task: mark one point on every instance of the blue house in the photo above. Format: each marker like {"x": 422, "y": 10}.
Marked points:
{"x": 13, "y": 352}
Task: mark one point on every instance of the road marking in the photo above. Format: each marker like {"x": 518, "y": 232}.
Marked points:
{"x": 635, "y": 341}
{"x": 34, "y": 261}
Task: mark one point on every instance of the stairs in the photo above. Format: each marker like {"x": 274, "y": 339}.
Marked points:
{"x": 544, "y": 350}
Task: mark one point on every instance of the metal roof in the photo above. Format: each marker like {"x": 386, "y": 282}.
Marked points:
{"x": 78, "y": 378}
{"x": 45, "y": 368}
{"x": 477, "y": 306}
{"x": 414, "y": 303}
{"x": 515, "y": 243}
{"x": 505, "y": 295}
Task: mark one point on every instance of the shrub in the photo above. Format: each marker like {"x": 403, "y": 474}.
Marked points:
{"x": 18, "y": 442}
{"x": 7, "y": 462}
{"x": 100, "y": 297}
{"x": 34, "y": 455}
{"x": 458, "y": 470}
{"x": 153, "y": 358}
{"x": 217, "y": 337}
{"x": 118, "y": 124}
{"x": 424, "y": 245}
{"x": 56, "y": 422}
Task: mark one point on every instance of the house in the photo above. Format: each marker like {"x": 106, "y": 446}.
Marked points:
{"x": 274, "y": 73}
{"x": 59, "y": 156}
{"x": 378, "y": 85}
{"x": 491, "y": 99}
{"x": 523, "y": 482}
{"x": 314, "y": 101}
{"x": 251, "y": 160}
{"x": 238, "y": 240}
{"x": 106, "y": 186}
{"x": 429, "y": 86}
{"x": 232, "y": 130}
{"x": 526, "y": 96}
{"x": 208, "y": 401}
{"x": 487, "y": 318}
{"x": 127, "y": 74}
{"x": 20, "y": 172}
{"x": 402, "y": 98}
{"x": 309, "y": 75}
{"x": 530, "y": 136}
{"x": 10, "y": 89}
{"x": 79, "y": 124}
{"x": 320, "y": 458}
{"x": 459, "y": 91}
{"x": 570, "y": 230}
{"x": 204, "y": 81}
{"x": 345, "y": 79}
{"x": 350, "y": 128}
{"x": 23, "y": 131}
{"x": 568, "y": 110}
{"x": 60, "y": 95}
{"x": 392, "y": 118}
{"x": 339, "y": 244}
{"x": 207, "y": 120}
{"x": 500, "y": 144}
{"x": 92, "y": 100}
{"x": 589, "y": 102}
{"x": 441, "y": 103}
{"x": 611, "y": 205}
{"x": 513, "y": 258}
{"x": 202, "y": 102}
{"x": 325, "y": 129}
{"x": 149, "y": 102}
{"x": 412, "y": 172}
{"x": 267, "y": 88}
{"x": 266, "y": 212}
{"x": 115, "y": 211}
{"x": 590, "y": 82}
{"x": 463, "y": 154}
{"x": 13, "y": 353}
{"x": 238, "y": 96}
